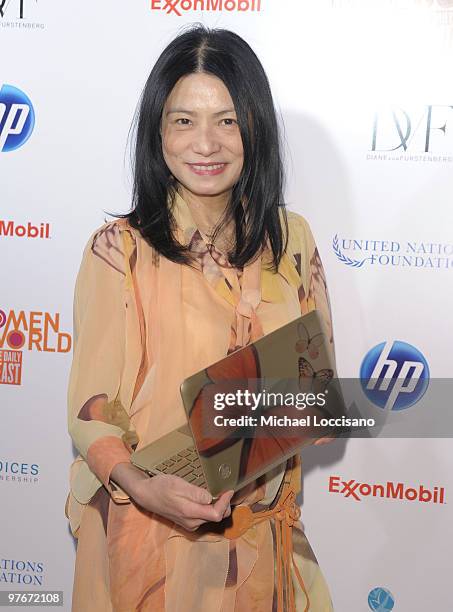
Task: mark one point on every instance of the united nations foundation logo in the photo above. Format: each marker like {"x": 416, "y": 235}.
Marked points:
{"x": 381, "y": 600}
{"x": 358, "y": 253}
{"x": 348, "y": 261}
{"x": 23, "y": 572}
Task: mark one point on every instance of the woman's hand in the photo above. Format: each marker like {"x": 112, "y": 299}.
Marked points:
{"x": 181, "y": 502}
{"x": 172, "y": 497}
{"x": 321, "y": 441}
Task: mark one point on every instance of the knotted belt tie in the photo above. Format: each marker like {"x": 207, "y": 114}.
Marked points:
{"x": 285, "y": 513}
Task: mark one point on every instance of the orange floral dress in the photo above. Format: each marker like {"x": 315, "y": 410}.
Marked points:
{"x": 142, "y": 324}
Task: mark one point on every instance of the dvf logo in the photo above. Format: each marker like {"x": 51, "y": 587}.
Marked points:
{"x": 17, "y": 118}
{"x": 4, "y": 4}
{"x": 422, "y": 130}
{"x": 394, "y": 375}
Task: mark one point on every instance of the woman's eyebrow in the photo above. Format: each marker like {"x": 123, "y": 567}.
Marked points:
{"x": 180, "y": 110}
{"x": 188, "y": 112}
{"x": 224, "y": 112}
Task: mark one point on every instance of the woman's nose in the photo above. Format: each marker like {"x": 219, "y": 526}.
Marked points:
{"x": 205, "y": 141}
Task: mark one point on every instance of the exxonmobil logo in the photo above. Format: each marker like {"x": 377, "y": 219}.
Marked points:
{"x": 389, "y": 490}
{"x": 30, "y": 230}
{"x": 178, "y": 7}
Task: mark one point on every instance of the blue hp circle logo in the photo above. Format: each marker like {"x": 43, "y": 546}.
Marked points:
{"x": 17, "y": 118}
{"x": 394, "y": 375}
{"x": 381, "y": 600}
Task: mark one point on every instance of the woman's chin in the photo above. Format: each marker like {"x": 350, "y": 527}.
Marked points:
{"x": 207, "y": 190}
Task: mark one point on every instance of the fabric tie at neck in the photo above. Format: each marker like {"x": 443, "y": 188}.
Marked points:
{"x": 248, "y": 325}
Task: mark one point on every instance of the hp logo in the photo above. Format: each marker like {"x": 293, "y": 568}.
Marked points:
{"x": 17, "y": 118}
{"x": 224, "y": 470}
{"x": 381, "y": 600}
{"x": 394, "y": 375}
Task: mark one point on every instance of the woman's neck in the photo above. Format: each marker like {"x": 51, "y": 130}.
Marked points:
{"x": 206, "y": 212}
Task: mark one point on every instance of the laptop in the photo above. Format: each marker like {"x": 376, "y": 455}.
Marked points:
{"x": 252, "y": 410}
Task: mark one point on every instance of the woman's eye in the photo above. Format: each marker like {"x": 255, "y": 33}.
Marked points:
{"x": 183, "y": 121}
{"x": 229, "y": 121}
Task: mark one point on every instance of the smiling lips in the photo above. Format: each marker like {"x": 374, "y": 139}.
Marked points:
{"x": 207, "y": 169}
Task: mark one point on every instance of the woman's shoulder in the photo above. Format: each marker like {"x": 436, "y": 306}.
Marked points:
{"x": 109, "y": 244}
{"x": 297, "y": 222}
{"x": 300, "y": 236}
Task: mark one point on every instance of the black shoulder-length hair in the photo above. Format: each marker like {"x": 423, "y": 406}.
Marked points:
{"x": 257, "y": 196}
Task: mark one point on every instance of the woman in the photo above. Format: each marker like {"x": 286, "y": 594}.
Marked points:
{"x": 206, "y": 262}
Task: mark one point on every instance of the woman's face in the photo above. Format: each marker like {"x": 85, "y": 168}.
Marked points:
{"x": 201, "y": 142}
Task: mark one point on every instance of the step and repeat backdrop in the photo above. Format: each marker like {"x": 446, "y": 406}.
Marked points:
{"x": 365, "y": 95}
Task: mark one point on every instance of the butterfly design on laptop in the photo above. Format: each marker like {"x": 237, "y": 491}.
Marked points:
{"x": 311, "y": 380}
{"x": 306, "y": 343}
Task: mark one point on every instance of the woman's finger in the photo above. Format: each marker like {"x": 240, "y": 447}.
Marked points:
{"x": 325, "y": 440}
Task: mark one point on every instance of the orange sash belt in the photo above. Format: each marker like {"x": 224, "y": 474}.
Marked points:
{"x": 285, "y": 513}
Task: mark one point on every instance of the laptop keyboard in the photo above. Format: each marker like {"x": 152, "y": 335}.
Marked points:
{"x": 185, "y": 464}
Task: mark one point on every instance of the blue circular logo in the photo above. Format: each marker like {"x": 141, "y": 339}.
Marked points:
{"x": 381, "y": 600}
{"x": 17, "y": 118}
{"x": 394, "y": 375}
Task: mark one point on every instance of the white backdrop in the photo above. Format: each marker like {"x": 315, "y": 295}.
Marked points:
{"x": 359, "y": 86}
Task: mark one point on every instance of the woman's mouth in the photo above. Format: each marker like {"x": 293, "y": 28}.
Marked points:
{"x": 207, "y": 169}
